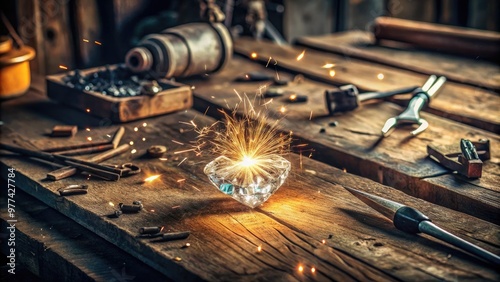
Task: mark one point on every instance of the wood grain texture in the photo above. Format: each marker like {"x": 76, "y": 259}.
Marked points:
{"x": 52, "y": 245}
{"x": 466, "y": 104}
{"x": 398, "y": 161}
{"x": 362, "y": 45}
{"x": 311, "y": 206}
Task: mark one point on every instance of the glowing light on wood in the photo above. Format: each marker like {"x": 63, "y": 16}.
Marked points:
{"x": 151, "y": 178}
{"x": 299, "y": 57}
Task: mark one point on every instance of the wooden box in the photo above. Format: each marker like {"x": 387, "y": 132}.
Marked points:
{"x": 174, "y": 97}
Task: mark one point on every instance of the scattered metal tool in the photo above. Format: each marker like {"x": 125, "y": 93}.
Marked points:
{"x": 174, "y": 236}
{"x": 348, "y": 97}
{"x": 126, "y": 169}
{"x": 421, "y": 97}
{"x": 466, "y": 160}
{"x": 255, "y": 76}
{"x": 157, "y": 151}
{"x": 102, "y": 171}
{"x": 411, "y": 220}
{"x": 74, "y": 189}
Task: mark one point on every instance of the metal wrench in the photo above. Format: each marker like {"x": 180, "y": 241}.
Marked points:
{"x": 411, "y": 115}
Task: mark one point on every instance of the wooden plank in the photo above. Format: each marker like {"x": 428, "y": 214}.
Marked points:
{"x": 57, "y": 37}
{"x": 88, "y": 27}
{"x": 30, "y": 30}
{"x": 290, "y": 227}
{"x": 361, "y": 45}
{"x": 355, "y": 144}
{"x": 51, "y": 245}
{"x": 472, "y": 108}
{"x": 307, "y": 17}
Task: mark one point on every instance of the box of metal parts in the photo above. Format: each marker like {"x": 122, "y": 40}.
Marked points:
{"x": 116, "y": 93}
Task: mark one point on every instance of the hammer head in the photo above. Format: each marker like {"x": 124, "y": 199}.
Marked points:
{"x": 343, "y": 100}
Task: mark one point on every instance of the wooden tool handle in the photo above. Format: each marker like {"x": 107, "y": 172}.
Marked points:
{"x": 430, "y": 228}
{"x": 457, "y": 40}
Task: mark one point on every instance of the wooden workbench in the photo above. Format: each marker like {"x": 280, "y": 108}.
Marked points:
{"x": 310, "y": 222}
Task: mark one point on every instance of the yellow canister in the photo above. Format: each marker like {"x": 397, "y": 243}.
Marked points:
{"x": 15, "y": 74}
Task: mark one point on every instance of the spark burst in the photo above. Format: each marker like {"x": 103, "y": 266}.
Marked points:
{"x": 248, "y": 141}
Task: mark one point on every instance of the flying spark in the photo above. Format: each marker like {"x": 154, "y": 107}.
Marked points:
{"x": 85, "y": 40}
{"x": 248, "y": 141}
{"x": 332, "y": 73}
{"x": 151, "y": 178}
{"x": 253, "y": 55}
{"x": 97, "y": 42}
{"x": 87, "y": 110}
{"x": 380, "y": 76}
{"x": 259, "y": 249}
{"x": 328, "y": 66}
{"x": 300, "y": 268}
{"x": 136, "y": 129}
{"x": 299, "y": 57}
{"x": 63, "y": 67}
{"x": 313, "y": 270}
{"x": 89, "y": 138}
{"x": 133, "y": 151}
{"x": 144, "y": 124}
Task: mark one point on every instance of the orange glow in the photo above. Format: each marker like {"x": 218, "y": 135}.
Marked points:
{"x": 299, "y": 57}
{"x": 151, "y": 178}
{"x": 300, "y": 268}
{"x": 87, "y": 110}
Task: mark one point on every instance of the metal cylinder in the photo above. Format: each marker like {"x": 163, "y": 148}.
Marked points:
{"x": 190, "y": 49}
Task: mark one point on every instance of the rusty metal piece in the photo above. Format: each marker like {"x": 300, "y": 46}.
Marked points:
{"x": 74, "y": 189}
{"x": 174, "y": 236}
{"x": 150, "y": 88}
{"x": 129, "y": 208}
{"x": 457, "y": 159}
{"x": 64, "y": 130}
{"x": 150, "y": 230}
{"x": 157, "y": 151}
{"x": 190, "y": 49}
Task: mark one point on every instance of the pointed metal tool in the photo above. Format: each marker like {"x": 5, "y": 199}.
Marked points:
{"x": 421, "y": 97}
{"x": 411, "y": 220}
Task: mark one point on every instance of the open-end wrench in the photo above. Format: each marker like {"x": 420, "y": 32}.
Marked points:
{"x": 411, "y": 115}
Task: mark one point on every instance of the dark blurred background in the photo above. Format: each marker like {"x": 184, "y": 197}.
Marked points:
{"x": 87, "y": 33}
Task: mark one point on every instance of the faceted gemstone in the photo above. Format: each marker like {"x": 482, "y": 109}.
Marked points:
{"x": 253, "y": 190}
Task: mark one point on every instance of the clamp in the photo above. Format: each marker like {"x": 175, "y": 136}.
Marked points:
{"x": 467, "y": 161}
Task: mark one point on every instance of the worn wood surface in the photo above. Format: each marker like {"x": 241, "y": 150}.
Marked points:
{"x": 362, "y": 45}
{"x": 173, "y": 97}
{"x": 51, "y": 245}
{"x": 466, "y": 104}
{"x": 310, "y": 207}
{"x": 398, "y": 160}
